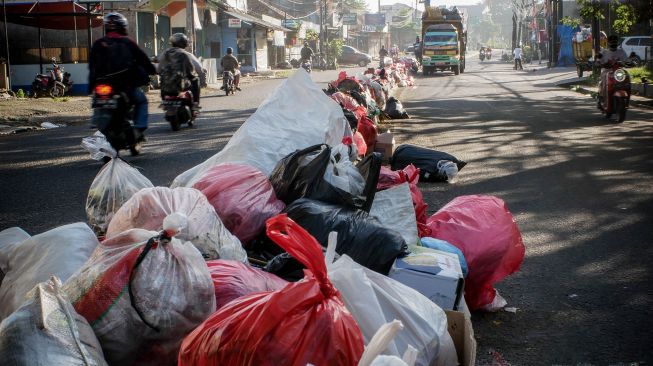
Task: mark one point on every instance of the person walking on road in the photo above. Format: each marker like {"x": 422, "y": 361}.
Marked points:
{"x": 517, "y": 53}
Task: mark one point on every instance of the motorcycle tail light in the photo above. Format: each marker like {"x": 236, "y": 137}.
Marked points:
{"x": 103, "y": 90}
{"x": 620, "y": 75}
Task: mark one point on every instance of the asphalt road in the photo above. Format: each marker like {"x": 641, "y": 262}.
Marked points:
{"x": 578, "y": 185}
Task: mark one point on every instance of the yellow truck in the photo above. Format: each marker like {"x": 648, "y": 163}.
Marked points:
{"x": 444, "y": 41}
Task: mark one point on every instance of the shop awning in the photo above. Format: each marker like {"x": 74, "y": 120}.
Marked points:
{"x": 62, "y": 15}
{"x": 254, "y": 20}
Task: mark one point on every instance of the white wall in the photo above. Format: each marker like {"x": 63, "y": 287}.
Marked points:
{"x": 24, "y": 74}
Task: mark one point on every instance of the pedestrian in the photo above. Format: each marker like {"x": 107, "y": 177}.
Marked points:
{"x": 517, "y": 53}
{"x": 383, "y": 53}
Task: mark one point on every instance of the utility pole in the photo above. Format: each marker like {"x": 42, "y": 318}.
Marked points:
{"x": 4, "y": 13}
{"x": 190, "y": 28}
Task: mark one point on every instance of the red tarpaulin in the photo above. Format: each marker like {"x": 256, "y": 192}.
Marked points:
{"x": 64, "y": 15}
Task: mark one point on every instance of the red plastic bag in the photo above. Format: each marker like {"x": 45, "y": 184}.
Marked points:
{"x": 242, "y": 196}
{"x": 485, "y": 231}
{"x": 232, "y": 279}
{"x": 305, "y": 322}
{"x": 345, "y": 100}
{"x": 390, "y": 178}
{"x": 361, "y": 146}
{"x": 367, "y": 128}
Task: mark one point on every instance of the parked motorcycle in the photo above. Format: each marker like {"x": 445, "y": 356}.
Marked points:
{"x": 55, "y": 83}
{"x": 616, "y": 92}
{"x": 179, "y": 109}
{"x": 113, "y": 113}
{"x": 306, "y": 65}
{"x": 228, "y": 82}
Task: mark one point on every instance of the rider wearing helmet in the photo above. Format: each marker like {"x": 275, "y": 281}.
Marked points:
{"x": 179, "y": 69}
{"x": 306, "y": 53}
{"x": 230, "y": 63}
{"x": 608, "y": 57}
{"x": 118, "y": 59}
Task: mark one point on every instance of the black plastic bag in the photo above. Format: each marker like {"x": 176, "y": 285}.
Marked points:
{"x": 424, "y": 159}
{"x": 351, "y": 118}
{"x": 360, "y": 236}
{"x": 394, "y": 109}
{"x": 301, "y": 175}
{"x": 359, "y": 98}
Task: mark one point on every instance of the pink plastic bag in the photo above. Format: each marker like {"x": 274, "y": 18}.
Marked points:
{"x": 242, "y": 196}
{"x": 367, "y": 128}
{"x": 345, "y": 100}
{"x": 389, "y": 178}
{"x": 361, "y": 146}
{"x": 485, "y": 231}
{"x": 233, "y": 279}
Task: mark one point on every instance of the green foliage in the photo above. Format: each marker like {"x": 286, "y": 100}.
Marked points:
{"x": 311, "y": 35}
{"x": 20, "y": 93}
{"x": 589, "y": 9}
{"x": 355, "y": 4}
{"x": 335, "y": 47}
{"x": 626, "y": 18}
{"x": 572, "y": 22}
{"x": 636, "y": 74}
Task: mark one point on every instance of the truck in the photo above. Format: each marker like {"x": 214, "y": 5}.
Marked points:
{"x": 444, "y": 41}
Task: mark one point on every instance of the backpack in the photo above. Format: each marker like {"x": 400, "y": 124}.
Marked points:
{"x": 173, "y": 76}
{"x": 115, "y": 58}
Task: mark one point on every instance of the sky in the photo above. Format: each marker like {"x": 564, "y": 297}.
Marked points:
{"x": 373, "y": 4}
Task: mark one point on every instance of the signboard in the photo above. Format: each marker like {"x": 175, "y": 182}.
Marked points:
{"x": 350, "y": 19}
{"x": 375, "y": 19}
{"x": 234, "y": 23}
{"x": 292, "y": 23}
{"x": 371, "y": 28}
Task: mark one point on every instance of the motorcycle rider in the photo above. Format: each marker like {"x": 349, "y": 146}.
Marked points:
{"x": 230, "y": 63}
{"x": 608, "y": 57}
{"x": 306, "y": 53}
{"x": 176, "y": 62}
{"x": 119, "y": 57}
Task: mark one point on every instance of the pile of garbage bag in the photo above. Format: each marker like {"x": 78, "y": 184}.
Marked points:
{"x": 294, "y": 244}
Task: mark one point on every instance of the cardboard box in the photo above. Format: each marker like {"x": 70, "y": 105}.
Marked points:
{"x": 433, "y": 273}
{"x": 462, "y": 334}
{"x": 385, "y": 145}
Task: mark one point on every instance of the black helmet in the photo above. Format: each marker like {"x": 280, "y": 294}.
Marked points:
{"x": 179, "y": 40}
{"x": 613, "y": 42}
{"x": 230, "y": 50}
{"x": 115, "y": 22}
{"x": 306, "y": 44}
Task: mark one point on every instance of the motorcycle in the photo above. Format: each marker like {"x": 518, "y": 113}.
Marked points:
{"x": 616, "y": 92}
{"x": 179, "y": 109}
{"x": 228, "y": 82}
{"x": 112, "y": 116}
{"x": 481, "y": 55}
{"x": 306, "y": 65}
{"x": 488, "y": 54}
{"x": 54, "y": 84}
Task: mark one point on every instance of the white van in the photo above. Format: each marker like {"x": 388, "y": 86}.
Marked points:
{"x": 639, "y": 45}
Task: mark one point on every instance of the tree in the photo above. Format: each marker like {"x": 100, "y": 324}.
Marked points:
{"x": 354, "y": 4}
{"x": 626, "y": 18}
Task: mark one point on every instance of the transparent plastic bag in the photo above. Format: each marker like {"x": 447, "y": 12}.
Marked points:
{"x": 394, "y": 209}
{"x": 342, "y": 173}
{"x": 149, "y": 207}
{"x": 447, "y": 169}
{"x": 143, "y": 292}
{"x": 46, "y": 330}
{"x": 116, "y": 182}
{"x": 373, "y": 351}
{"x": 98, "y": 146}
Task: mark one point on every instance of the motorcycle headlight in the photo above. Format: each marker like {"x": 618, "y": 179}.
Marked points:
{"x": 620, "y": 75}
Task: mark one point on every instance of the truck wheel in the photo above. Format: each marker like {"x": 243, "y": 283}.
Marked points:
{"x": 456, "y": 69}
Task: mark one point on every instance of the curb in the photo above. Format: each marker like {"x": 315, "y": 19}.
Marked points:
{"x": 583, "y": 90}
{"x": 20, "y": 129}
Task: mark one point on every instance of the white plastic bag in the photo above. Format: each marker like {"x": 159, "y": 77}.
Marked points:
{"x": 373, "y": 351}
{"x": 59, "y": 252}
{"x": 448, "y": 169}
{"x": 143, "y": 292}
{"x": 149, "y": 207}
{"x": 394, "y": 208}
{"x": 8, "y": 239}
{"x": 342, "y": 173}
{"x": 46, "y": 330}
{"x": 98, "y": 146}
{"x": 116, "y": 182}
{"x": 297, "y": 115}
{"x": 374, "y": 299}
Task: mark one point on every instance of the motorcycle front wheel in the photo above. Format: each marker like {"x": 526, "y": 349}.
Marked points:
{"x": 56, "y": 92}
{"x": 620, "y": 108}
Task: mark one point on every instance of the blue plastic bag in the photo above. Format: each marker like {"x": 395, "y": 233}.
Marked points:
{"x": 446, "y": 247}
